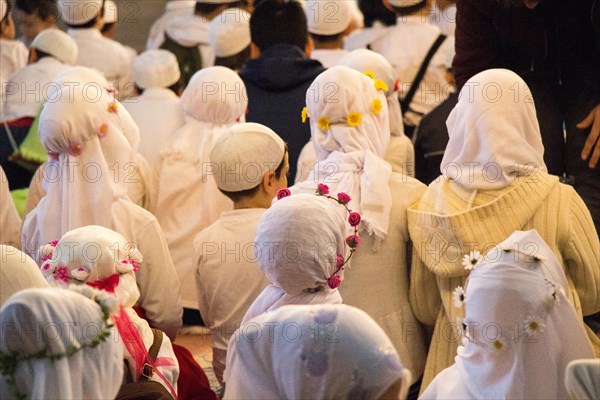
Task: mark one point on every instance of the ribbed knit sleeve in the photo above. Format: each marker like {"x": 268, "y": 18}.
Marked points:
{"x": 424, "y": 295}
{"x": 582, "y": 255}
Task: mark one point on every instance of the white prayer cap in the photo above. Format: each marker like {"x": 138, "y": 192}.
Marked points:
{"x": 328, "y": 17}
{"x": 229, "y": 33}
{"x": 3, "y": 9}
{"x": 58, "y": 44}
{"x": 249, "y": 149}
{"x": 111, "y": 12}
{"x": 79, "y": 12}
{"x": 405, "y": 3}
{"x": 156, "y": 68}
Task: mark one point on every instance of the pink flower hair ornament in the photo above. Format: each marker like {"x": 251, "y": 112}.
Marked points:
{"x": 354, "y": 220}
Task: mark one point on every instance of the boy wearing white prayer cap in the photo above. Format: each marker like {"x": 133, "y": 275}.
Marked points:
{"x": 157, "y": 111}
{"x": 52, "y": 53}
{"x": 84, "y": 18}
{"x": 329, "y": 22}
{"x": 111, "y": 22}
{"x": 251, "y": 164}
{"x": 14, "y": 53}
{"x": 406, "y": 46}
{"x": 192, "y": 30}
{"x": 229, "y": 37}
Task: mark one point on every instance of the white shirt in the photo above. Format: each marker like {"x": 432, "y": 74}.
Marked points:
{"x": 10, "y": 222}
{"x": 28, "y": 88}
{"x": 328, "y": 57}
{"x": 13, "y": 57}
{"x": 158, "y": 114}
{"x": 223, "y": 253}
{"x": 405, "y": 47}
{"x": 106, "y": 55}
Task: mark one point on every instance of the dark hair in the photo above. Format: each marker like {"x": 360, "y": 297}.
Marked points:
{"x": 406, "y": 11}
{"x": 237, "y": 196}
{"x": 278, "y": 21}
{"x": 235, "y": 61}
{"x": 41, "y": 54}
{"x": 107, "y": 27}
{"x": 511, "y": 3}
{"x": 374, "y": 10}
{"x": 175, "y": 88}
{"x": 327, "y": 38}
{"x": 43, "y": 8}
{"x": 206, "y": 9}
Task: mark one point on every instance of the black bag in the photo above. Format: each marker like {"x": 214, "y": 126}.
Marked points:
{"x": 188, "y": 58}
{"x": 145, "y": 388}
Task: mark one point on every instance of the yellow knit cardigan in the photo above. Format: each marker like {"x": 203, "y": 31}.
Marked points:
{"x": 449, "y": 222}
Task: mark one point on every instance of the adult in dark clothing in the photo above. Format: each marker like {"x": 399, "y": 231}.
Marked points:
{"x": 430, "y": 141}
{"x": 280, "y": 72}
{"x": 552, "y": 45}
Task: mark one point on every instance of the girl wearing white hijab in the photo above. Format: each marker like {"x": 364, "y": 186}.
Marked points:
{"x": 494, "y": 182}
{"x": 400, "y": 152}
{"x": 136, "y": 174}
{"x": 42, "y": 320}
{"x": 297, "y": 243}
{"x": 18, "y": 271}
{"x": 314, "y": 352}
{"x": 84, "y": 139}
{"x": 187, "y": 198}
{"x": 101, "y": 258}
{"x": 351, "y": 132}
{"x": 520, "y": 330}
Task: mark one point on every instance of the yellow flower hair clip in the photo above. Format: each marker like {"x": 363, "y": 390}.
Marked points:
{"x": 381, "y": 85}
{"x": 354, "y": 119}
{"x": 370, "y": 74}
{"x": 376, "y": 106}
{"x": 323, "y": 123}
{"x": 304, "y": 115}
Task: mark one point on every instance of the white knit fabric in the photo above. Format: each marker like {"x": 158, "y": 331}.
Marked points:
{"x": 581, "y": 379}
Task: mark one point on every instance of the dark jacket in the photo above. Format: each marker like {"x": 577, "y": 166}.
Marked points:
{"x": 277, "y": 82}
{"x": 554, "y": 43}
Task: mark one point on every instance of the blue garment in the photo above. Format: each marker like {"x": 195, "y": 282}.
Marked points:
{"x": 277, "y": 82}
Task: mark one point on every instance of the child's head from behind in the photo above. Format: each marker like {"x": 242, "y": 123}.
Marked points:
{"x": 278, "y": 21}
{"x": 250, "y": 164}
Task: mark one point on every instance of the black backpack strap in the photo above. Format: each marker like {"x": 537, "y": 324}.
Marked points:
{"x": 405, "y": 103}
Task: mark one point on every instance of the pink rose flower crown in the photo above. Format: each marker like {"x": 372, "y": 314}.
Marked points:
{"x": 354, "y": 219}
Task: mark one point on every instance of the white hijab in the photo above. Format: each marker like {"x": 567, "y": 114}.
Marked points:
{"x": 502, "y": 356}
{"x": 494, "y": 133}
{"x": 297, "y": 243}
{"x": 84, "y": 130}
{"x": 312, "y": 352}
{"x": 91, "y": 373}
{"x": 350, "y": 158}
{"x": 214, "y": 99}
{"x": 367, "y": 61}
{"x": 18, "y": 271}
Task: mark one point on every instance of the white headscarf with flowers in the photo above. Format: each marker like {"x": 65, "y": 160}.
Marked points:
{"x": 313, "y": 352}
{"x": 102, "y": 258}
{"x": 521, "y": 331}
{"x": 85, "y": 137}
{"x": 350, "y": 130}
{"x": 297, "y": 243}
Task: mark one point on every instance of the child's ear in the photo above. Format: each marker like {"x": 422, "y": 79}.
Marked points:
{"x": 310, "y": 45}
{"x": 254, "y": 51}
